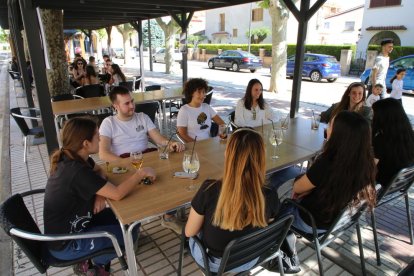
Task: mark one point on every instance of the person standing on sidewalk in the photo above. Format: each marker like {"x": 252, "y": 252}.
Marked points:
{"x": 381, "y": 64}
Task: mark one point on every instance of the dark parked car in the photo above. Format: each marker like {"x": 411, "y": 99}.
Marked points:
{"x": 236, "y": 60}
{"x": 406, "y": 62}
{"x": 316, "y": 67}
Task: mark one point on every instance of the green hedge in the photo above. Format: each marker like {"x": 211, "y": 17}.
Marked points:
{"x": 333, "y": 50}
{"x": 399, "y": 51}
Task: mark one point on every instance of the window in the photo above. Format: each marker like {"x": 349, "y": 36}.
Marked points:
{"x": 326, "y": 25}
{"x": 349, "y": 26}
{"x": 257, "y": 14}
{"x": 222, "y": 22}
{"x": 384, "y": 3}
{"x": 234, "y": 32}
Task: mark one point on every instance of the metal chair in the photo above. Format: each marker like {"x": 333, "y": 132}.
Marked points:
{"x": 19, "y": 224}
{"x": 231, "y": 119}
{"x": 346, "y": 219}
{"x": 20, "y": 119}
{"x": 399, "y": 186}
{"x": 152, "y": 87}
{"x": 66, "y": 97}
{"x": 263, "y": 244}
{"x": 16, "y": 77}
{"x": 89, "y": 91}
{"x": 137, "y": 83}
{"x": 128, "y": 84}
{"x": 149, "y": 108}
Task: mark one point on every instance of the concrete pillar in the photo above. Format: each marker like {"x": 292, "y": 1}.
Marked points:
{"x": 203, "y": 54}
{"x": 371, "y": 55}
{"x": 219, "y": 51}
{"x": 345, "y": 61}
{"x": 261, "y": 53}
{"x": 197, "y": 54}
{"x": 190, "y": 53}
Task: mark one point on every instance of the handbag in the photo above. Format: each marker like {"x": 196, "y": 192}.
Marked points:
{"x": 290, "y": 258}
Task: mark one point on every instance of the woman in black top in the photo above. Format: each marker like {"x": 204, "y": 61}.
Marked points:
{"x": 75, "y": 196}
{"x": 239, "y": 203}
{"x": 342, "y": 175}
{"x": 392, "y": 139}
{"x": 353, "y": 99}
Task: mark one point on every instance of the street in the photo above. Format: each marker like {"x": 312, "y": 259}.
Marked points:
{"x": 316, "y": 93}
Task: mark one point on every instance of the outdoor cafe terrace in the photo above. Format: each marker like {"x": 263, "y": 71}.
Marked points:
{"x": 159, "y": 247}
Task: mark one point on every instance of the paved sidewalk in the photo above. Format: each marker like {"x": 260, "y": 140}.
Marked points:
{"x": 158, "y": 250}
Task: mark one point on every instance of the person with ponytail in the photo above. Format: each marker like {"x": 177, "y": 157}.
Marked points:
{"x": 236, "y": 205}
{"x": 75, "y": 196}
{"x": 397, "y": 85}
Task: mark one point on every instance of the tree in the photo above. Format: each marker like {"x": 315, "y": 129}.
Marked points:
{"x": 195, "y": 39}
{"x": 3, "y": 36}
{"x": 279, "y": 15}
{"x": 109, "y": 41}
{"x": 157, "y": 36}
{"x": 125, "y": 30}
{"x": 57, "y": 75}
{"x": 169, "y": 29}
{"x": 258, "y": 35}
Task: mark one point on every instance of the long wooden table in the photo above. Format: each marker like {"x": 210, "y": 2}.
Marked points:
{"x": 96, "y": 103}
{"x": 168, "y": 193}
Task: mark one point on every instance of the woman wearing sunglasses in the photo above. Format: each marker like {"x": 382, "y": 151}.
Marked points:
{"x": 79, "y": 71}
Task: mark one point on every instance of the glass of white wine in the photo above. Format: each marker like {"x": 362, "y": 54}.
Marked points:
{"x": 191, "y": 164}
{"x": 136, "y": 159}
{"x": 275, "y": 139}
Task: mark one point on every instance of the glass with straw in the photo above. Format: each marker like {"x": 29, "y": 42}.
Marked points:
{"x": 275, "y": 139}
{"x": 191, "y": 164}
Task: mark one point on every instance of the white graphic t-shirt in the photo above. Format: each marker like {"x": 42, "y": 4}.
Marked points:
{"x": 197, "y": 120}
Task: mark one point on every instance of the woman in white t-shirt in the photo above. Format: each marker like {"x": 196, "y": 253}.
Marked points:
{"x": 252, "y": 110}
{"x": 194, "y": 118}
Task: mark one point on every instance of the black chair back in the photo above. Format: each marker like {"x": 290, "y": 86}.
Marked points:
{"x": 62, "y": 97}
{"x": 401, "y": 183}
{"x": 20, "y": 121}
{"x": 14, "y": 214}
{"x": 89, "y": 91}
{"x": 152, "y": 87}
{"x": 127, "y": 84}
{"x": 148, "y": 108}
{"x": 137, "y": 82}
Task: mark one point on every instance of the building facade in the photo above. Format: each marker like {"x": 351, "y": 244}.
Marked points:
{"x": 387, "y": 19}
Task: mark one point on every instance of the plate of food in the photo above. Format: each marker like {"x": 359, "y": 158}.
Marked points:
{"x": 119, "y": 170}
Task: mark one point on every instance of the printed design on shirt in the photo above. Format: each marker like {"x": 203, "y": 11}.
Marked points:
{"x": 201, "y": 120}
{"x": 139, "y": 128}
{"x": 80, "y": 223}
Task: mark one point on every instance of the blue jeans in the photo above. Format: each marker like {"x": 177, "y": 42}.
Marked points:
{"x": 280, "y": 177}
{"x": 298, "y": 222}
{"x": 104, "y": 221}
{"x": 214, "y": 263}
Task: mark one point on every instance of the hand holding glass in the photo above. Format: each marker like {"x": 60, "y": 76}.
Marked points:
{"x": 222, "y": 132}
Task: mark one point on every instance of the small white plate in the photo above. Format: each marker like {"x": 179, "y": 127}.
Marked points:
{"x": 119, "y": 170}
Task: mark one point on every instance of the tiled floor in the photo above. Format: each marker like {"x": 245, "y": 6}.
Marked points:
{"x": 159, "y": 247}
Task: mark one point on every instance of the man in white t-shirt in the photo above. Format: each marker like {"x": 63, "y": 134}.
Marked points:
{"x": 128, "y": 131}
{"x": 381, "y": 64}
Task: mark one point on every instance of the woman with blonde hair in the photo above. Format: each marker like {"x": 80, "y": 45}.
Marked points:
{"x": 75, "y": 197}
{"x": 236, "y": 205}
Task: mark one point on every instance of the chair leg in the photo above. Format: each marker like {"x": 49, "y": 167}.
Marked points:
{"x": 180, "y": 259}
{"x": 361, "y": 249}
{"x": 374, "y": 232}
{"x": 25, "y": 149}
{"x": 319, "y": 256}
{"x": 410, "y": 221}
{"x": 279, "y": 259}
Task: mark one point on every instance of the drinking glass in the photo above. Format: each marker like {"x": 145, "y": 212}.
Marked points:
{"x": 191, "y": 164}
{"x": 163, "y": 151}
{"x": 275, "y": 138}
{"x": 284, "y": 122}
{"x": 222, "y": 132}
{"x": 136, "y": 159}
{"x": 316, "y": 119}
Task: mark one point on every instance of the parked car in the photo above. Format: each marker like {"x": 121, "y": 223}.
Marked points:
{"x": 159, "y": 56}
{"x": 406, "y": 62}
{"x": 316, "y": 67}
{"x": 236, "y": 60}
{"x": 118, "y": 52}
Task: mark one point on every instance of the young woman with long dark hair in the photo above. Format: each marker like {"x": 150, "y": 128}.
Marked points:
{"x": 237, "y": 204}
{"x": 392, "y": 139}
{"x": 397, "y": 85}
{"x": 353, "y": 99}
{"x": 116, "y": 75}
{"x": 252, "y": 110}
{"x": 342, "y": 175}
{"x": 75, "y": 196}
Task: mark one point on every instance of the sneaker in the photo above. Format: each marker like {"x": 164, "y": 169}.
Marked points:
{"x": 81, "y": 268}
{"x": 98, "y": 270}
{"x": 172, "y": 223}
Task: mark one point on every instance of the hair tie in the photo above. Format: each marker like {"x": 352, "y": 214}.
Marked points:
{"x": 62, "y": 149}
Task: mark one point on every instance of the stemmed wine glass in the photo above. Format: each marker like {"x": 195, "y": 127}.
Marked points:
{"x": 191, "y": 164}
{"x": 275, "y": 138}
{"x": 136, "y": 159}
